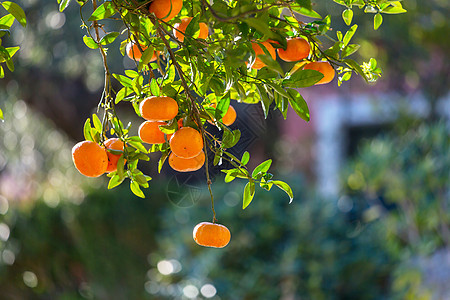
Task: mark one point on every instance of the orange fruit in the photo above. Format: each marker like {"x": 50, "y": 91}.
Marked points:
{"x": 229, "y": 117}
{"x": 296, "y": 49}
{"x": 165, "y": 10}
{"x": 157, "y": 108}
{"x": 90, "y": 158}
{"x": 113, "y": 144}
{"x": 134, "y": 53}
{"x": 150, "y": 133}
{"x": 211, "y": 235}
{"x": 180, "y": 29}
{"x": 186, "y": 164}
{"x": 259, "y": 51}
{"x": 323, "y": 67}
{"x": 186, "y": 142}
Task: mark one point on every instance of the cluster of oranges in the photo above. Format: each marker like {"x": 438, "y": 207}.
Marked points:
{"x": 186, "y": 143}
{"x": 93, "y": 160}
{"x": 297, "y": 49}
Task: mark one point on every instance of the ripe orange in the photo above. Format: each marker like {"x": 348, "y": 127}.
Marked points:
{"x": 323, "y": 67}
{"x": 113, "y": 144}
{"x": 156, "y": 108}
{"x": 150, "y": 133}
{"x": 186, "y": 142}
{"x": 211, "y": 235}
{"x": 186, "y": 164}
{"x": 134, "y": 53}
{"x": 229, "y": 117}
{"x": 165, "y": 10}
{"x": 259, "y": 51}
{"x": 296, "y": 49}
{"x": 180, "y": 29}
{"x": 90, "y": 158}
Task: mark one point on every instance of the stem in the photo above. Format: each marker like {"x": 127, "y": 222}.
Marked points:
{"x": 193, "y": 107}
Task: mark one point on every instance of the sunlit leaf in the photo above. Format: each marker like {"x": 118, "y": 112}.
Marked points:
{"x": 249, "y": 193}
{"x": 16, "y": 11}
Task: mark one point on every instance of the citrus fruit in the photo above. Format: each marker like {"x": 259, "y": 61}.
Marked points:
{"x": 323, "y": 67}
{"x": 90, "y": 158}
{"x": 165, "y": 10}
{"x": 157, "y": 108}
{"x": 296, "y": 49}
{"x": 113, "y": 144}
{"x": 180, "y": 29}
{"x": 186, "y": 142}
{"x": 186, "y": 164}
{"x": 150, "y": 133}
{"x": 211, "y": 235}
{"x": 229, "y": 117}
{"x": 258, "y": 64}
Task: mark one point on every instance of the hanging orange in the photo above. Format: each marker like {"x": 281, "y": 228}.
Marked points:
{"x": 186, "y": 142}
{"x": 150, "y": 133}
{"x": 180, "y": 29}
{"x": 296, "y": 49}
{"x": 157, "y": 108}
{"x": 211, "y": 235}
{"x": 90, "y": 158}
{"x": 113, "y": 144}
{"x": 186, "y": 164}
{"x": 229, "y": 117}
{"x": 165, "y": 10}
{"x": 323, "y": 67}
{"x": 258, "y": 64}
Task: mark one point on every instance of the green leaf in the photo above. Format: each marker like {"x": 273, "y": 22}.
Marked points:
{"x": 393, "y": 10}
{"x": 347, "y": 16}
{"x": 349, "y": 50}
{"x": 136, "y": 142}
{"x": 90, "y": 42}
{"x": 377, "y": 20}
{"x": 299, "y": 104}
{"x": 87, "y": 130}
{"x": 262, "y": 168}
{"x": 230, "y": 138}
{"x": 349, "y": 34}
{"x": 109, "y": 38}
{"x": 97, "y": 123}
{"x": 285, "y": 187}
{"x": 6, "y": 21}
{"x": 134, "y": 186}
{"x": 10, "y": 64}
{"x": 249, "y": 193}
{"x": 265, "y": 100}
{"x": 306, "y": 12}
{"x": 146, "y": 56}
{"x": 104, "y": 11}
{"x": 125, "y": 81}
{"x": 2, "y": 72}
{"x": 245, "y": 158}
{"x": 303, "y": 78}
{"x": 63, "y": 5}
{"x": 1, "y": 115}
{"x": 16, "y": 11}
{"x": 115, "y": 181}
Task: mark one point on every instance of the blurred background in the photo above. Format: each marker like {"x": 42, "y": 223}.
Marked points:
{"x": 370, "y": 174}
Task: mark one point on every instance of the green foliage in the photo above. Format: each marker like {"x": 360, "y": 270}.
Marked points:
{"x": 15, "y": 12}
{"x": 106, "y": 247}
{"x": 200, "y": 72}
{"x": 407, "y": 171}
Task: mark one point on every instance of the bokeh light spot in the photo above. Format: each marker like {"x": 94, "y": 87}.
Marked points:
{"x": 208, "y": 290}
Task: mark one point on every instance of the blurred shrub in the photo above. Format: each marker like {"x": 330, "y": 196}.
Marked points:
{"x": 402, "y": 181}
